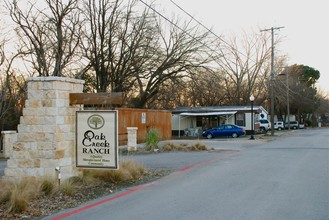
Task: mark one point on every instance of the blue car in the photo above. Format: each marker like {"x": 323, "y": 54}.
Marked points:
{"x": 227, "y": 130}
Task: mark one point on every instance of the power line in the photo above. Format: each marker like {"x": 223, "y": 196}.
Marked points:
{"x": 218, "y": 37}
{"x": 181, "y": 29}
{"x": 197, "y": 21}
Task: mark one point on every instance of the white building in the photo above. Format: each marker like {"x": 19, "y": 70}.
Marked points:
{"x": 192, "y": 120}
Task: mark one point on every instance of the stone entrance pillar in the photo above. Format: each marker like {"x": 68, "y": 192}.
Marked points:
{"x": 132, "y": 138}
{"x": 46, "y": 133}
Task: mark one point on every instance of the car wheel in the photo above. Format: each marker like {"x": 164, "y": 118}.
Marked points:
{"x": 209, "y": 136}
{"x": 234, "y": 135}
{"x": 262, "y": 130}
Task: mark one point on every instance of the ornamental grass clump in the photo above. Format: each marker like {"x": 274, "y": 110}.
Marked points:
{"x": 201, "y": 147}
{"x": 16, "y": 195}
{"x": 68, "y": 187}
{"x": 184, "y": 147}
{"x": 48, "y": 186}
{"x": 152, "y": 140}
{"x": 128, "y": 170}
{"x": 135, "y": 169}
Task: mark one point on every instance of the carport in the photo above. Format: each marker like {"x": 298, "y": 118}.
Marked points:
{"x": 227, "y": 115}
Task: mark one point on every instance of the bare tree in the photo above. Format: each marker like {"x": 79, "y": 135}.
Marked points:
{"x": 135, "y": 53}
{"x": 2, "y": 52}
{"x": 50, "y": 36}
{"x": 12, "y": 93}
{"x": 207, "y": 88}
{"x": 116, "y": 43}
{"x": 179, "y": 51}
{"x": 246, "y": 66}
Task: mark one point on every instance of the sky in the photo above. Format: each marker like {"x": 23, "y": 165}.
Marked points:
{"x": 305, "y": 36}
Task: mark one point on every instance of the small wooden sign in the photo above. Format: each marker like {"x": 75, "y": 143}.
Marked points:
{"x": 114, "y": 98}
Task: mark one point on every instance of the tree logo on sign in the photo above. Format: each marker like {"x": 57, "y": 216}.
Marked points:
{"x": 96, "y": 121}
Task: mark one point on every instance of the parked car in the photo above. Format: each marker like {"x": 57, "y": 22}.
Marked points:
{"x": 226, "y": 130}
{"x": 264, "y": 125}
{"x": 301, "y": 125}
{"x": 293, "y": 125}
{"x": 279, "y": 125}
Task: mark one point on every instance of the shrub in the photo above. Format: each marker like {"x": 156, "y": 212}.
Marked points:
{"x": 152, "y": 140}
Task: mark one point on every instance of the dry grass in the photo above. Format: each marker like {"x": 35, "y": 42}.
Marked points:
{"x": 68, "y": 187}
{"x": 48, "y": 186}
{"x": 129, "y": 170}
{"x": 184, "y": 147}
{"x": 15, "y": 196}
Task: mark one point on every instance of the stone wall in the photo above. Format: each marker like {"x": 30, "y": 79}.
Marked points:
{"x": 8, "y": 140}
{"x": 46, "y": 133}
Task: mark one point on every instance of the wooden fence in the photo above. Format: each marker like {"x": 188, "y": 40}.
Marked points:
{"x": 144, "y": 120}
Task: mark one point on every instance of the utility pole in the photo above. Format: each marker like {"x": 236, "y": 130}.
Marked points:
{"x": 272, "y": 76}
{"x": 288, "y": 107}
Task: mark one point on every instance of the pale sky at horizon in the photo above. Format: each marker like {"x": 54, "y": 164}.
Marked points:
{"x": 305, "y": 36}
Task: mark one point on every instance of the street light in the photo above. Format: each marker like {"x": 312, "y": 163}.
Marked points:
{"x": 252, "y": 98}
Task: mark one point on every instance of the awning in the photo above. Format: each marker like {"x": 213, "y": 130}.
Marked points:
{"x": 206, "y": 113}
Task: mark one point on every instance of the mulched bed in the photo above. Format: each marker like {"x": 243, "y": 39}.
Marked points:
{"x": 47, "y": 205}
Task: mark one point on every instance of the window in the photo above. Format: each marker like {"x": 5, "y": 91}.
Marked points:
{"x": 239, "y": 120}
{"x": 199, "y": 121}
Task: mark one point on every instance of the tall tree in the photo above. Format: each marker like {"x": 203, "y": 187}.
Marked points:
{"x": 179, "y": 51}
{"x": 136, "y": 53}
{"x": 116, "y": 44}
{"x": 51, "y": 35}
{"x": 207, "y": 88}
{"x": 246, "y": 66}
{"x": 303, "y": 96}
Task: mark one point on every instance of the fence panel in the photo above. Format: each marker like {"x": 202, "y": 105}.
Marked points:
{"x": 144, "y": 120}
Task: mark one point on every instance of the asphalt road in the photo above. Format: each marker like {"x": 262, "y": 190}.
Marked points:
{"x": 283, "y": 179}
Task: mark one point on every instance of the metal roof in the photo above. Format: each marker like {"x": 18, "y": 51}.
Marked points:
{"x": 206, "y": 113}
{"x": 204, "y": 109}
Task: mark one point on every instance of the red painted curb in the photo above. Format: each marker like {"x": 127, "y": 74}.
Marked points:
{"x": 124, "y": 193}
